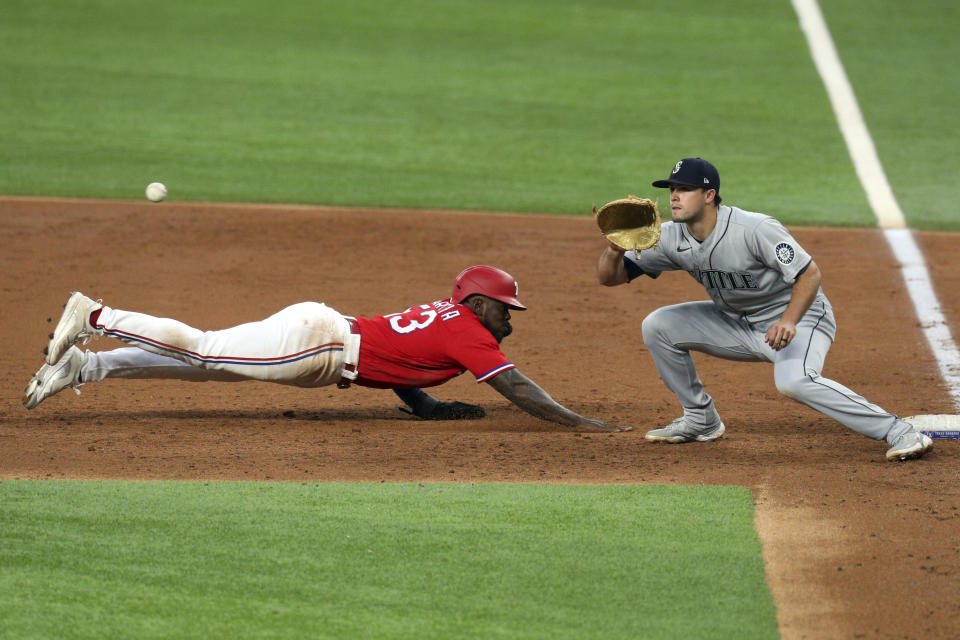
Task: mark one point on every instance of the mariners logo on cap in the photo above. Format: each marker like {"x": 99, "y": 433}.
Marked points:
{"x": 676, "y": 167}
{"x": 785, "y": 253}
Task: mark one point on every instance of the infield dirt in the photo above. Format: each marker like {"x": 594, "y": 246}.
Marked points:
{"x": 855, "y": 546}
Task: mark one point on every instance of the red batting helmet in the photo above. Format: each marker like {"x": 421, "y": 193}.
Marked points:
{"x": 488, "y": 281}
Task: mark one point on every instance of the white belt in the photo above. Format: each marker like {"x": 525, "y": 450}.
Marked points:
{"x": 351, "y": 354}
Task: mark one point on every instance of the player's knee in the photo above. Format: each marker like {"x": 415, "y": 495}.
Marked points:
{"x": 654, "y": 326}
{"x": 793, "y": 387}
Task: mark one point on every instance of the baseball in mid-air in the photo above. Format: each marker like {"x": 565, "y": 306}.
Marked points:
{"x": 156, "y": 192}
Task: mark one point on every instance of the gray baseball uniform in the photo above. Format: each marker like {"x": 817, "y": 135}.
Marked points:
{"x": 748, "y": 266}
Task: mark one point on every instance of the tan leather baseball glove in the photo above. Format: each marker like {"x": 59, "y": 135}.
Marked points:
{"x": 631, "y": 223}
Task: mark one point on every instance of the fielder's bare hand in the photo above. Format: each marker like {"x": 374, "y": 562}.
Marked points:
{"x": 780, "y": 334}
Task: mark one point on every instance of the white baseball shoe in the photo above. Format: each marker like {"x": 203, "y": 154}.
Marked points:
{"x": 910, "y": 445}
{"x": 74, "y": 325}
{"x": 54, "y": 378}
{"x": 682, "y": 431}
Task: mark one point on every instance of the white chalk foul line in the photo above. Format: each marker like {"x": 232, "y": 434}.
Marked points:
{"x": 879, "y": 194}
{"x": 866, "y": 162}
{"x": 932, "y": 320}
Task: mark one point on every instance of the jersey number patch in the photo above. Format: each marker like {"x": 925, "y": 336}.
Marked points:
{"x": 408, "y": 320}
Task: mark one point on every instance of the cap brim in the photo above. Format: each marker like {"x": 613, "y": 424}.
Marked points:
{"x": 663, "y": 184}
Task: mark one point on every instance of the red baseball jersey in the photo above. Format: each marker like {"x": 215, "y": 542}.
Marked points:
{"x": 425, "y": 346}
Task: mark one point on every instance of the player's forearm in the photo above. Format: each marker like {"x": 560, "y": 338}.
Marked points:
{"x": 804, "y": 293}
{"x": 420, "y": 402}
{"x": 526, "y": 394}
{"x": 610, "y": 268}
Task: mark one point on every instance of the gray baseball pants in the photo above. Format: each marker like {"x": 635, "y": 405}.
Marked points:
{"x": 671, "y": 333}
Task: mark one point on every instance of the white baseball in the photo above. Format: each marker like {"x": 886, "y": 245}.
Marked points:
{"x": 156, "y": 192}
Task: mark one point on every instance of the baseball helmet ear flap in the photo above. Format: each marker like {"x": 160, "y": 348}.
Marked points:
{"x": 488, "y": 281}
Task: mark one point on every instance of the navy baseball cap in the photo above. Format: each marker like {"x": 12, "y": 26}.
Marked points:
{"x": 692, "y": 172}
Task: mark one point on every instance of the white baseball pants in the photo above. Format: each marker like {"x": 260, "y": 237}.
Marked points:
{"x": 302, "y": 345}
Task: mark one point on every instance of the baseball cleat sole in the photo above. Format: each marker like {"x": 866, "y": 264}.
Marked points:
{"x": 74, "y": 325}
{"x": 51, "y": 379}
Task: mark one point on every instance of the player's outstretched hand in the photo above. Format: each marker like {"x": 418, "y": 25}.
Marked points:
{"x": 598, "y": 425}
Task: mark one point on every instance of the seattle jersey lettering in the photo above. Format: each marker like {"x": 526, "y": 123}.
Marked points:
{"x": 725, "y": 280}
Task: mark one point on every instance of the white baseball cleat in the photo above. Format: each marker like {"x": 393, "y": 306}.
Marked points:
{"x": 74, "y": 325}
{"x": 54, "y": 378}
{"x": 682, "y": 431}
{"x": 910, "y": 445}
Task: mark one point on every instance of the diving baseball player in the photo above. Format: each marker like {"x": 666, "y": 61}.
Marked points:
{"x": 311, "y": 345}
{"x": 766, "y": 304}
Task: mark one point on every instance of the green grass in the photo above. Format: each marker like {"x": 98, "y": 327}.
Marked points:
{"x": 201, "y": 560}
{"x": 901, "y": 59}
{"x": 527, "y": 105}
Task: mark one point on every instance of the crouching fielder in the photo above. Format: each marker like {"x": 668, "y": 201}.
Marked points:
{"x": 766, "y": 305}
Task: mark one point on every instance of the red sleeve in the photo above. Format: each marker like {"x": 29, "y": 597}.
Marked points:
{"x": 476, "y": 349}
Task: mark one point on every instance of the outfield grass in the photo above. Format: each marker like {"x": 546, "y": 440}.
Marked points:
{"x": 529, "y": 105}
{"x": 201, "y": 560}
